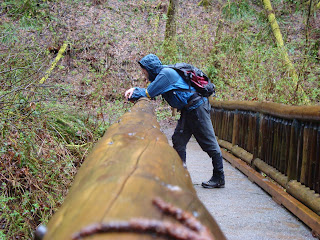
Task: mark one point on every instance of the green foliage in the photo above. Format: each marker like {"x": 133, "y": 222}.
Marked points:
{"x": 243, "y": 60}
{"x": 2, "y": 235}
{"x": 47, "y": 130}
{"x": 44, "y": 138}
{"x": 238, "y": 9}
{"x": 24, "y": 8}
{"x": 9, "y": 33}
{"x": 39, "y": 159}
{"x": 244, "y": 66}
{"x": 165, "y": 112}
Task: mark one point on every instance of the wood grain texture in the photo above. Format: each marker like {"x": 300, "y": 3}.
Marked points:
{"x": 131, "y": 165}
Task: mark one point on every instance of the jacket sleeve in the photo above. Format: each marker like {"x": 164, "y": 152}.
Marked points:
{"x": 159, "y": 86}
{"x": 138, "y": 93}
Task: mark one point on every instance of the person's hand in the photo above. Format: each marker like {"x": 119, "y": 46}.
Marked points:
{"x": 129, "y": 93}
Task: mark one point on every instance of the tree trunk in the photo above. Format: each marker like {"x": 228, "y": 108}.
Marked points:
{"x": 308, "y": 24}
{"x": 54, "y": 63}
{"x": 171, "y": 26}
{"x": 170, "y": 35}
{"x": 277, "y": 34}
{"x": 170, "y": 47}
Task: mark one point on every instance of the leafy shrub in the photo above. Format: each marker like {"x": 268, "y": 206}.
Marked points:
{"x": 24, "y": 8}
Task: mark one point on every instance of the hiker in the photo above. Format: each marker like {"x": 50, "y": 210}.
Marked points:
{"x": 195, "y": 113}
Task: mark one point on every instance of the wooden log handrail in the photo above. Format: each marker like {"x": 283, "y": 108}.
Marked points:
{"x": 281, "y": 141}
{"x": 128, "y": 185}
{"x": 307, "y": 113}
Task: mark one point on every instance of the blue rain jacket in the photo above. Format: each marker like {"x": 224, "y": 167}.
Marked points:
{"x": 166, "y": 82}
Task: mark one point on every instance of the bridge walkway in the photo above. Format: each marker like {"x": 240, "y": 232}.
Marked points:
{"x": 242, "y": 209}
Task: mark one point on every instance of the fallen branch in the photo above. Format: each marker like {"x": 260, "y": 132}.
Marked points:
{"x": 56, "y": 60}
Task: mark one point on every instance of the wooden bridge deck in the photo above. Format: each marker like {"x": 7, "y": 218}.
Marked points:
{"x": 242, "y": 209}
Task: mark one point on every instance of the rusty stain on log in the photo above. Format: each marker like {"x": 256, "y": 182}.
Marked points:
{"x": 187, "y": 228}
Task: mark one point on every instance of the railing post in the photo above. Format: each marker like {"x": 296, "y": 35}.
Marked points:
{"x": 256, "y": 135}
{"x": 235, "y": 132}
{"x": 286, "y": 148}
{"x": 292, "y": 161}
{"x": 305, "y": 155}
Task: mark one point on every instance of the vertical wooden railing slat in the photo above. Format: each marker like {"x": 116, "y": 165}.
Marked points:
{"x": 287, "y": 138}
{"x": 284, "y": 143}
{"x": 317, "y": 177}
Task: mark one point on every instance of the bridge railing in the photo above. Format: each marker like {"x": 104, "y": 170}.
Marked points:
{"x": 281, "y": 141}
{"x": 132, "y": 186}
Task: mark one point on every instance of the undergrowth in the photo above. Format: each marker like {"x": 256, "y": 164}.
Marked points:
{"x": 39, "y": 158}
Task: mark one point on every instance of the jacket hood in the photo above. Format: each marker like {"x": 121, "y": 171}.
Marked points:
{"x": 152, "y": 64}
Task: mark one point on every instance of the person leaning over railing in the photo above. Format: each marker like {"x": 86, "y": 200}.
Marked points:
{"x": 195, "y": 113}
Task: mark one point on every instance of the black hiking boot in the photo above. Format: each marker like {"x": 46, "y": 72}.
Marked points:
{"x": 216, "y": 181}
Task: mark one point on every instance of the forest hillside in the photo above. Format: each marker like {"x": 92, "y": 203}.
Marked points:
{"x": 65, "y": 65}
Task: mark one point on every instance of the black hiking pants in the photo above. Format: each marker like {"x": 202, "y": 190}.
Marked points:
{"x": 198, "y": 123}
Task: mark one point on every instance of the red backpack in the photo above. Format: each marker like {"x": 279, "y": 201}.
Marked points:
{"x": 195, "y": 78}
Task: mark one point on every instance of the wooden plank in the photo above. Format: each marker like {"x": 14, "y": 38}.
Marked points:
{"x": 297, "y": 208}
